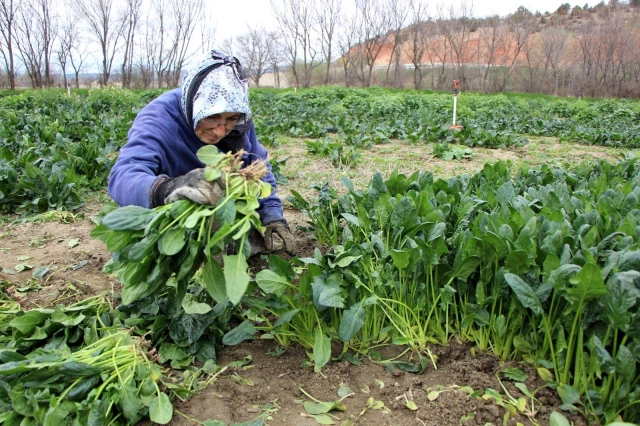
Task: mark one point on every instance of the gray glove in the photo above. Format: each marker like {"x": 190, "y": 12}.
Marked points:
{"x": 192, "y": 186}
{"x": 278, "y": 236}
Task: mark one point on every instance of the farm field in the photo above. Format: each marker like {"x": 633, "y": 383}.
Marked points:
{"x": 487, "y": 276}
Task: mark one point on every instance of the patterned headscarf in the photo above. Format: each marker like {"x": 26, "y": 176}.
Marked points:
{"x": 218, "y": 84}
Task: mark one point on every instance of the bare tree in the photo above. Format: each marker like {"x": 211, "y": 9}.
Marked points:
{"x": 329, "y": 18}
{"x": 68, "y": 34}
{"x": 297, "y": 22}
{"x": 456, "y": 27}
{"x": 617, "y": 37}
{"x": 8, "y": 16}
{"x": 277, "y": 55}
{"x": 587, "y": 51}
{"x": 227, "y": 46}
{"x": 175, "y": 22}
{"x": 78, "y": 59}
{"x": 608, "y": 40}
{"x": 104, "y": 28}
{"x": 521, "y": 25}
{"x": 628, "y": 56}
{"x": 635, "y": 68}
{"x": 418, "y": 33}
{"x": 348, "y": 37}
{"x": 49, "y": 32}
{"x": 554, "y": 40}
{"x": 130, "y": 22}
{"x": 254, "y": 52}
{"x": 397, "y": 11}
{"x": 490, "y": 35}
{"x": 36, "y": 33}
{"x": 533, "y": 57}
{"x": 161, "y": 39}
{"x": 187, "y": 15}
{"x": 147, "y": 52}
{"x": 374, "y": 25}
{"x": 439, "y": 53}
{"x": 288, "y": 39}
{"x": 29, "y": 45}
{"x": 208, "y": 27}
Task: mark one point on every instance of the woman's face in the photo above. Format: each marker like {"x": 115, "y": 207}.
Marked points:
{"x": 212, "y": 129}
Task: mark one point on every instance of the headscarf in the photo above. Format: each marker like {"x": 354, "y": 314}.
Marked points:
{"x": 218, "y": 84}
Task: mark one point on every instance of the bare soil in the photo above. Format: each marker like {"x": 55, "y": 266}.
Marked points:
{"x": 279, "y": 380}
{"x": 75, "y": 270}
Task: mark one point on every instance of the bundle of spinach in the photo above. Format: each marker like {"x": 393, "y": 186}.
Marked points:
{"x": 76, "y": 364}
{"x": 153, "y": 248}
{"x": 110, "y": 381}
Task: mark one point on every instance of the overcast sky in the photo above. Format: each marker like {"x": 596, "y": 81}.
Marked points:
{"x": 504, "y": 7}
{"x": 233, "y": 16}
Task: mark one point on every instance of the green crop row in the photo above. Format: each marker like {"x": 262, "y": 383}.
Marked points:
{"x": 375, "y": 115}
{"x": 542, "y": 267}
{"x": 54, "y": 147}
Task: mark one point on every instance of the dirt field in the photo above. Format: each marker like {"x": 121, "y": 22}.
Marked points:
{"x": 75, "y": 272}
{"x": 304, "y": 171}
{"x": 280, "y": 378}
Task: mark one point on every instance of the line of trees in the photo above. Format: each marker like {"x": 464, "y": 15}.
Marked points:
{"x": 145, "y": 40}
{"x": 592, "y": 51}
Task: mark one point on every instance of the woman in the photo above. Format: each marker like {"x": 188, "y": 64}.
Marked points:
{"x": 158, "y": 164}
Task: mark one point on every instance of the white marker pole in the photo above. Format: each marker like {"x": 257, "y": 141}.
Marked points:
{"x": 455, "y": 103}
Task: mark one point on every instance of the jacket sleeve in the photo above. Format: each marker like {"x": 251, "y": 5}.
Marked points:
{"x": 270, "y": 207}
{"x": 139, "y": 163}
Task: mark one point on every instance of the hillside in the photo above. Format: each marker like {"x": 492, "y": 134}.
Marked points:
{"x": 592, "y": 51}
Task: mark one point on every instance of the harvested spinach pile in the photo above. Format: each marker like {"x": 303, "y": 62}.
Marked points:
{"x": 85, "y": 386}
{"x": 76, "y": 365}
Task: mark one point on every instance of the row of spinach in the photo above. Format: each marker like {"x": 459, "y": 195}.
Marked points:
{"x": 54, "y": 147}
{"x": 361, "y": 117}
{"x": 543, "y": 267}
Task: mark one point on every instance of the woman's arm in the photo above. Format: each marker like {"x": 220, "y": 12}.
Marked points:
{"x": 141, "y": 159}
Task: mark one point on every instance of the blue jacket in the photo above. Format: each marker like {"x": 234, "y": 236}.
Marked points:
{"x": 161, "y": 142}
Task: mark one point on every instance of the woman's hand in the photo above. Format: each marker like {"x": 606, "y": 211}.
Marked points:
{"x": 192, "y": 186}
{"x": 278, "y": 236}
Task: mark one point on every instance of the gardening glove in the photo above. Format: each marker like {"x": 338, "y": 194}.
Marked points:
{"x": 192, "y": 186}
{"x": 278, "y": 236}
